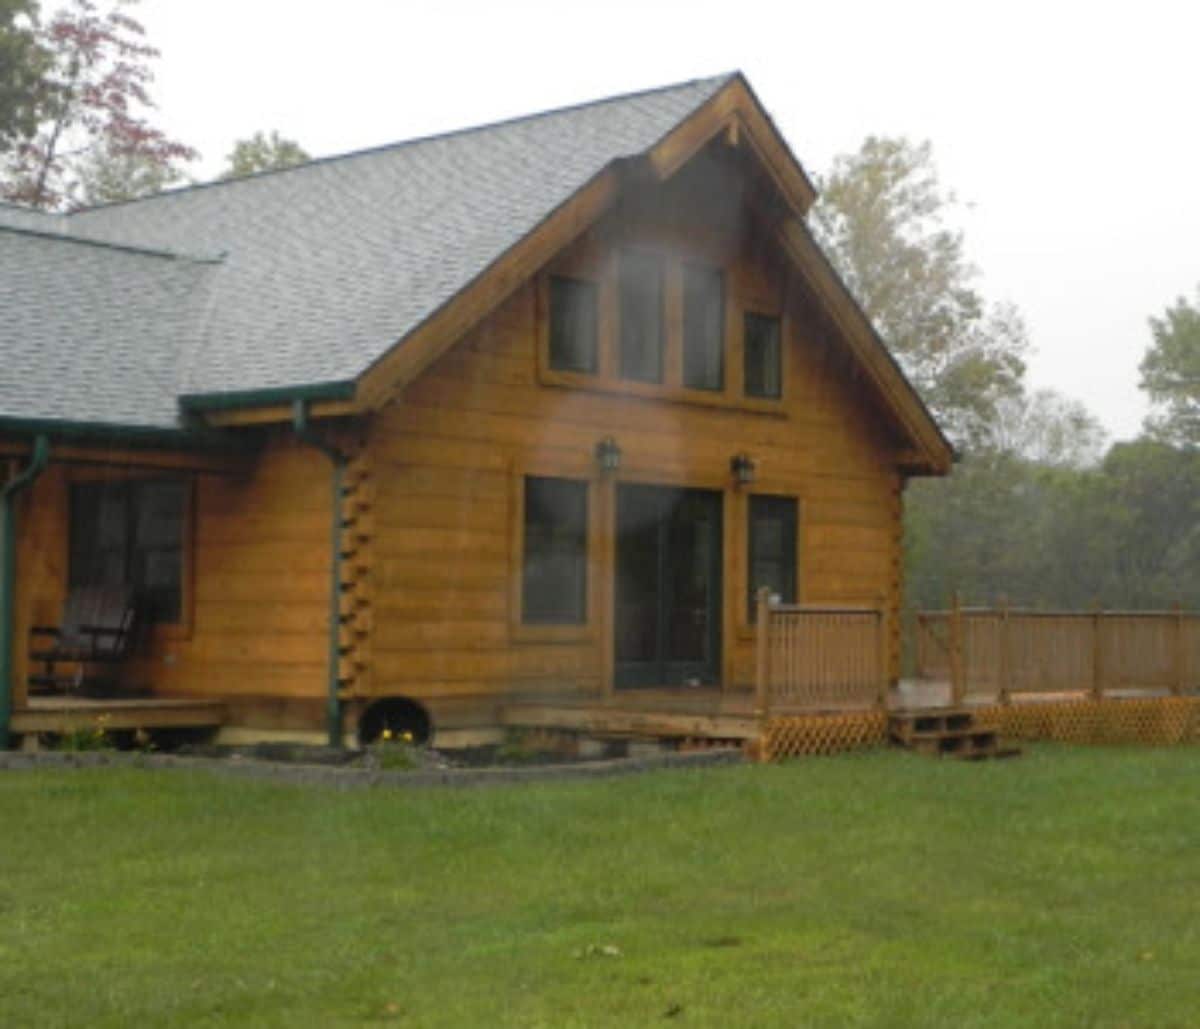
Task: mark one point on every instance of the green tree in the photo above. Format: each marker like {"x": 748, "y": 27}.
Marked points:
{"x": 263, "y": 153}
{"x": 95, "y": 95}
{"x": 23, "y": 66}
{"x": 107, "y": 176}
{"x": 883, "y": 220}
{"x": 1171, "y": 374}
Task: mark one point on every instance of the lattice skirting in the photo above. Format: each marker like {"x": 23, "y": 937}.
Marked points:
{"x": 1155, "y": 721}
{"x": 787, "y": 736}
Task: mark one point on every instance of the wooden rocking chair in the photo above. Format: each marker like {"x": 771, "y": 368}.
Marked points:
{"x": 97, "y": 633}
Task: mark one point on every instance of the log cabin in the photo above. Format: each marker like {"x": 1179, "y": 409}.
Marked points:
{"x": 518, "y": 415}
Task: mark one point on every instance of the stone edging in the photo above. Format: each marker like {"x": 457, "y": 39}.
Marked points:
{"x": 349, "y": 778}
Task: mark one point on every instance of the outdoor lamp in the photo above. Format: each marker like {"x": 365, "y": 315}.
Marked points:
{"x": 608, "y": 455}
{"x": 742, "y": 466}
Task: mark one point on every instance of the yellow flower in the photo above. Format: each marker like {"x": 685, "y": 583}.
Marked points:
{"x": 407, "y": 737}
{"x": 387, "y": 735}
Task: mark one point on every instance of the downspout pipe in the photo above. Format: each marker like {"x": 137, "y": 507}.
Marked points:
{"x": 305, "y": 434}
{"x": 8, "y": 577}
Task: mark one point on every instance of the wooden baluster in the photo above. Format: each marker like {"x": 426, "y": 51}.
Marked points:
{"x": 958, "y": 685}
{"x": 884, "y": 652}
{"x": 1097, "y": 654}
{"x": 1178, "y": 656}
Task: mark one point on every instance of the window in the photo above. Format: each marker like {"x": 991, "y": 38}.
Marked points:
{"x": 764, "y": 373}
{"x": 772, "y": 549}
{"x": 703, "y": 328}
{"x": 554, "y": 575}
{"x": 572, "y": 325}
{"x": 130, "y": 533}
{"x": 641, "y": 300}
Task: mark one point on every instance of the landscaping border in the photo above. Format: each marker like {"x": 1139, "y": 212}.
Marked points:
{"x": 342, "y": 777}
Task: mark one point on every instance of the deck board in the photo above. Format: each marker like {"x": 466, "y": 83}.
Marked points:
{"x": 64, "y": 714}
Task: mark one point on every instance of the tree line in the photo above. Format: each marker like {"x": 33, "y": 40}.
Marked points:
{"x": 76, "y": 126}
{"x": 1040, "y": 509}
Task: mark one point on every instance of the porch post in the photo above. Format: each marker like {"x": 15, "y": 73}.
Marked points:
{"x": 8, "y": 577}
{"x": 762, "y": 662}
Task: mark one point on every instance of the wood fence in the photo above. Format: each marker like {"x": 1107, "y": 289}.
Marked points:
{"x": 1001, "y": 652}
{"x": 814, "y": 658}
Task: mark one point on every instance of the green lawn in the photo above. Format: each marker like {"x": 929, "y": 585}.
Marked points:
{"x": 1062, "y": 888}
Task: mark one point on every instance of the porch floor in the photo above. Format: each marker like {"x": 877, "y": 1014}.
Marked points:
{"x": 66, "y": 714}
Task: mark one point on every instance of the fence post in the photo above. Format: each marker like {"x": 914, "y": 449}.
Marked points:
{"x": 1097, "y": 654}
{"x": 762, "y": 654}
{"x": 958, "y": 685}
{"x": 1179, "y": 657}
{"x": 1005, "y": 655}
{"x": 884, "y": 648}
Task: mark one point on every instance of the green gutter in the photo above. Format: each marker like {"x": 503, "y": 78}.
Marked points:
{"x": 233, "y": 400}
{"x": 127, "y": 435}
{"x": 304, "y": 433}
{"x": 8, "y": 577}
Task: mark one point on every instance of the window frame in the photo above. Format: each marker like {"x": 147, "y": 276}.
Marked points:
{"x": 598, "y": 262}
{"x": 575, "y": 282}
{"x": 747, "y": 625}
{"x": 720, "y": 275}
{"x": 747, "y": 314}
{"x": 521, "y": 631}
{"x": 625, "y": 256}
{"x": 182, "y": 626}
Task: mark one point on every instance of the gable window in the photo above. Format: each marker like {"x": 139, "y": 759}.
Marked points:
{"x": 572, "y": 325}
{"x": 703, "y": 328}
{"x": 764, "y": 365}
{"x": 641, "y": 316}
{"x": 130, "y": 533}
{"x": 772, "y": 549}
{"x": 554, "y": 572}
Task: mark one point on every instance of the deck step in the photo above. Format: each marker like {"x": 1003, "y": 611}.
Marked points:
{"x": 946, "y": 732}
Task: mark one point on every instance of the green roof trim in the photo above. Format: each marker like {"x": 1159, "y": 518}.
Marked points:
{"x": 235, "y": 400}
{"x": 200, "y": 438}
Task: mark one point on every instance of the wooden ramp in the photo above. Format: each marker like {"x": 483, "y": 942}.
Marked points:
{"x": 69, "y": 714}
{"x": 947, "y": 732}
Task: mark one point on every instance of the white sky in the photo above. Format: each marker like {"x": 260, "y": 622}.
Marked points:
{"x": 1070, "y": 128}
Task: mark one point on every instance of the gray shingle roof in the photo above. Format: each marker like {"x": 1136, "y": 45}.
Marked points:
{"x": 322, "y": 269}
{"x": 90, "y": 332}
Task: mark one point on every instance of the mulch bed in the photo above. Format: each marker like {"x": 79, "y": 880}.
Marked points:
{"x": 307, "y": 765}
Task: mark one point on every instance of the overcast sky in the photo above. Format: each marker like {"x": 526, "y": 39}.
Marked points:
{"x": 1069, "y": 128}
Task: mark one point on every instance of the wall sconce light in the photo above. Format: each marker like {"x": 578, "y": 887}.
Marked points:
{"x": 608, "y": 455}
{"x": 743, "y": 468}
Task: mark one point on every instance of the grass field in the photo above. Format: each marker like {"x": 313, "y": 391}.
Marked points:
{"x": 1062, "y": 888}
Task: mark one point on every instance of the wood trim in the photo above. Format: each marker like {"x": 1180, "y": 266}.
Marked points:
{"x": 220, "y": 464}
{"x": 282, "y": 413}
{"x": 736, "y": 112}
{"x": 896, "y": 392}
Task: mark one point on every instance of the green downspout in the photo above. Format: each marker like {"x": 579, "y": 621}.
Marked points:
{"x": 304, "y": 433}
{"x": 8, "y": 577}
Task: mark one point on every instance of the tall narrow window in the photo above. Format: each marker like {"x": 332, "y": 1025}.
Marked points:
{"x": 772, "y": 546}
{"x": 130, "y": 533}
{"x": 764, "y": 372}
{"x": 572, "y": 325}
{"x": 703, "y": 328}
{"x": 554, "y": 575}
{"x": 641, "y": 299}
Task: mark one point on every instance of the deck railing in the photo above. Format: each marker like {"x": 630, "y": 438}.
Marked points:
{"x": 820, "y": 658}
{"x": 1002, "y": 652}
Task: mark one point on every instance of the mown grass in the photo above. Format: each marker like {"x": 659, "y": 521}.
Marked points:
{"x": 1062, "y": 888}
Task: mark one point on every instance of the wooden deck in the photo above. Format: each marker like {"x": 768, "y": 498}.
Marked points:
{"x": 66, "y": 714}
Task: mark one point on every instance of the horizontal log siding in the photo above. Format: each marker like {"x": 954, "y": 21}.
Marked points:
{"x": 448, "y": 454}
